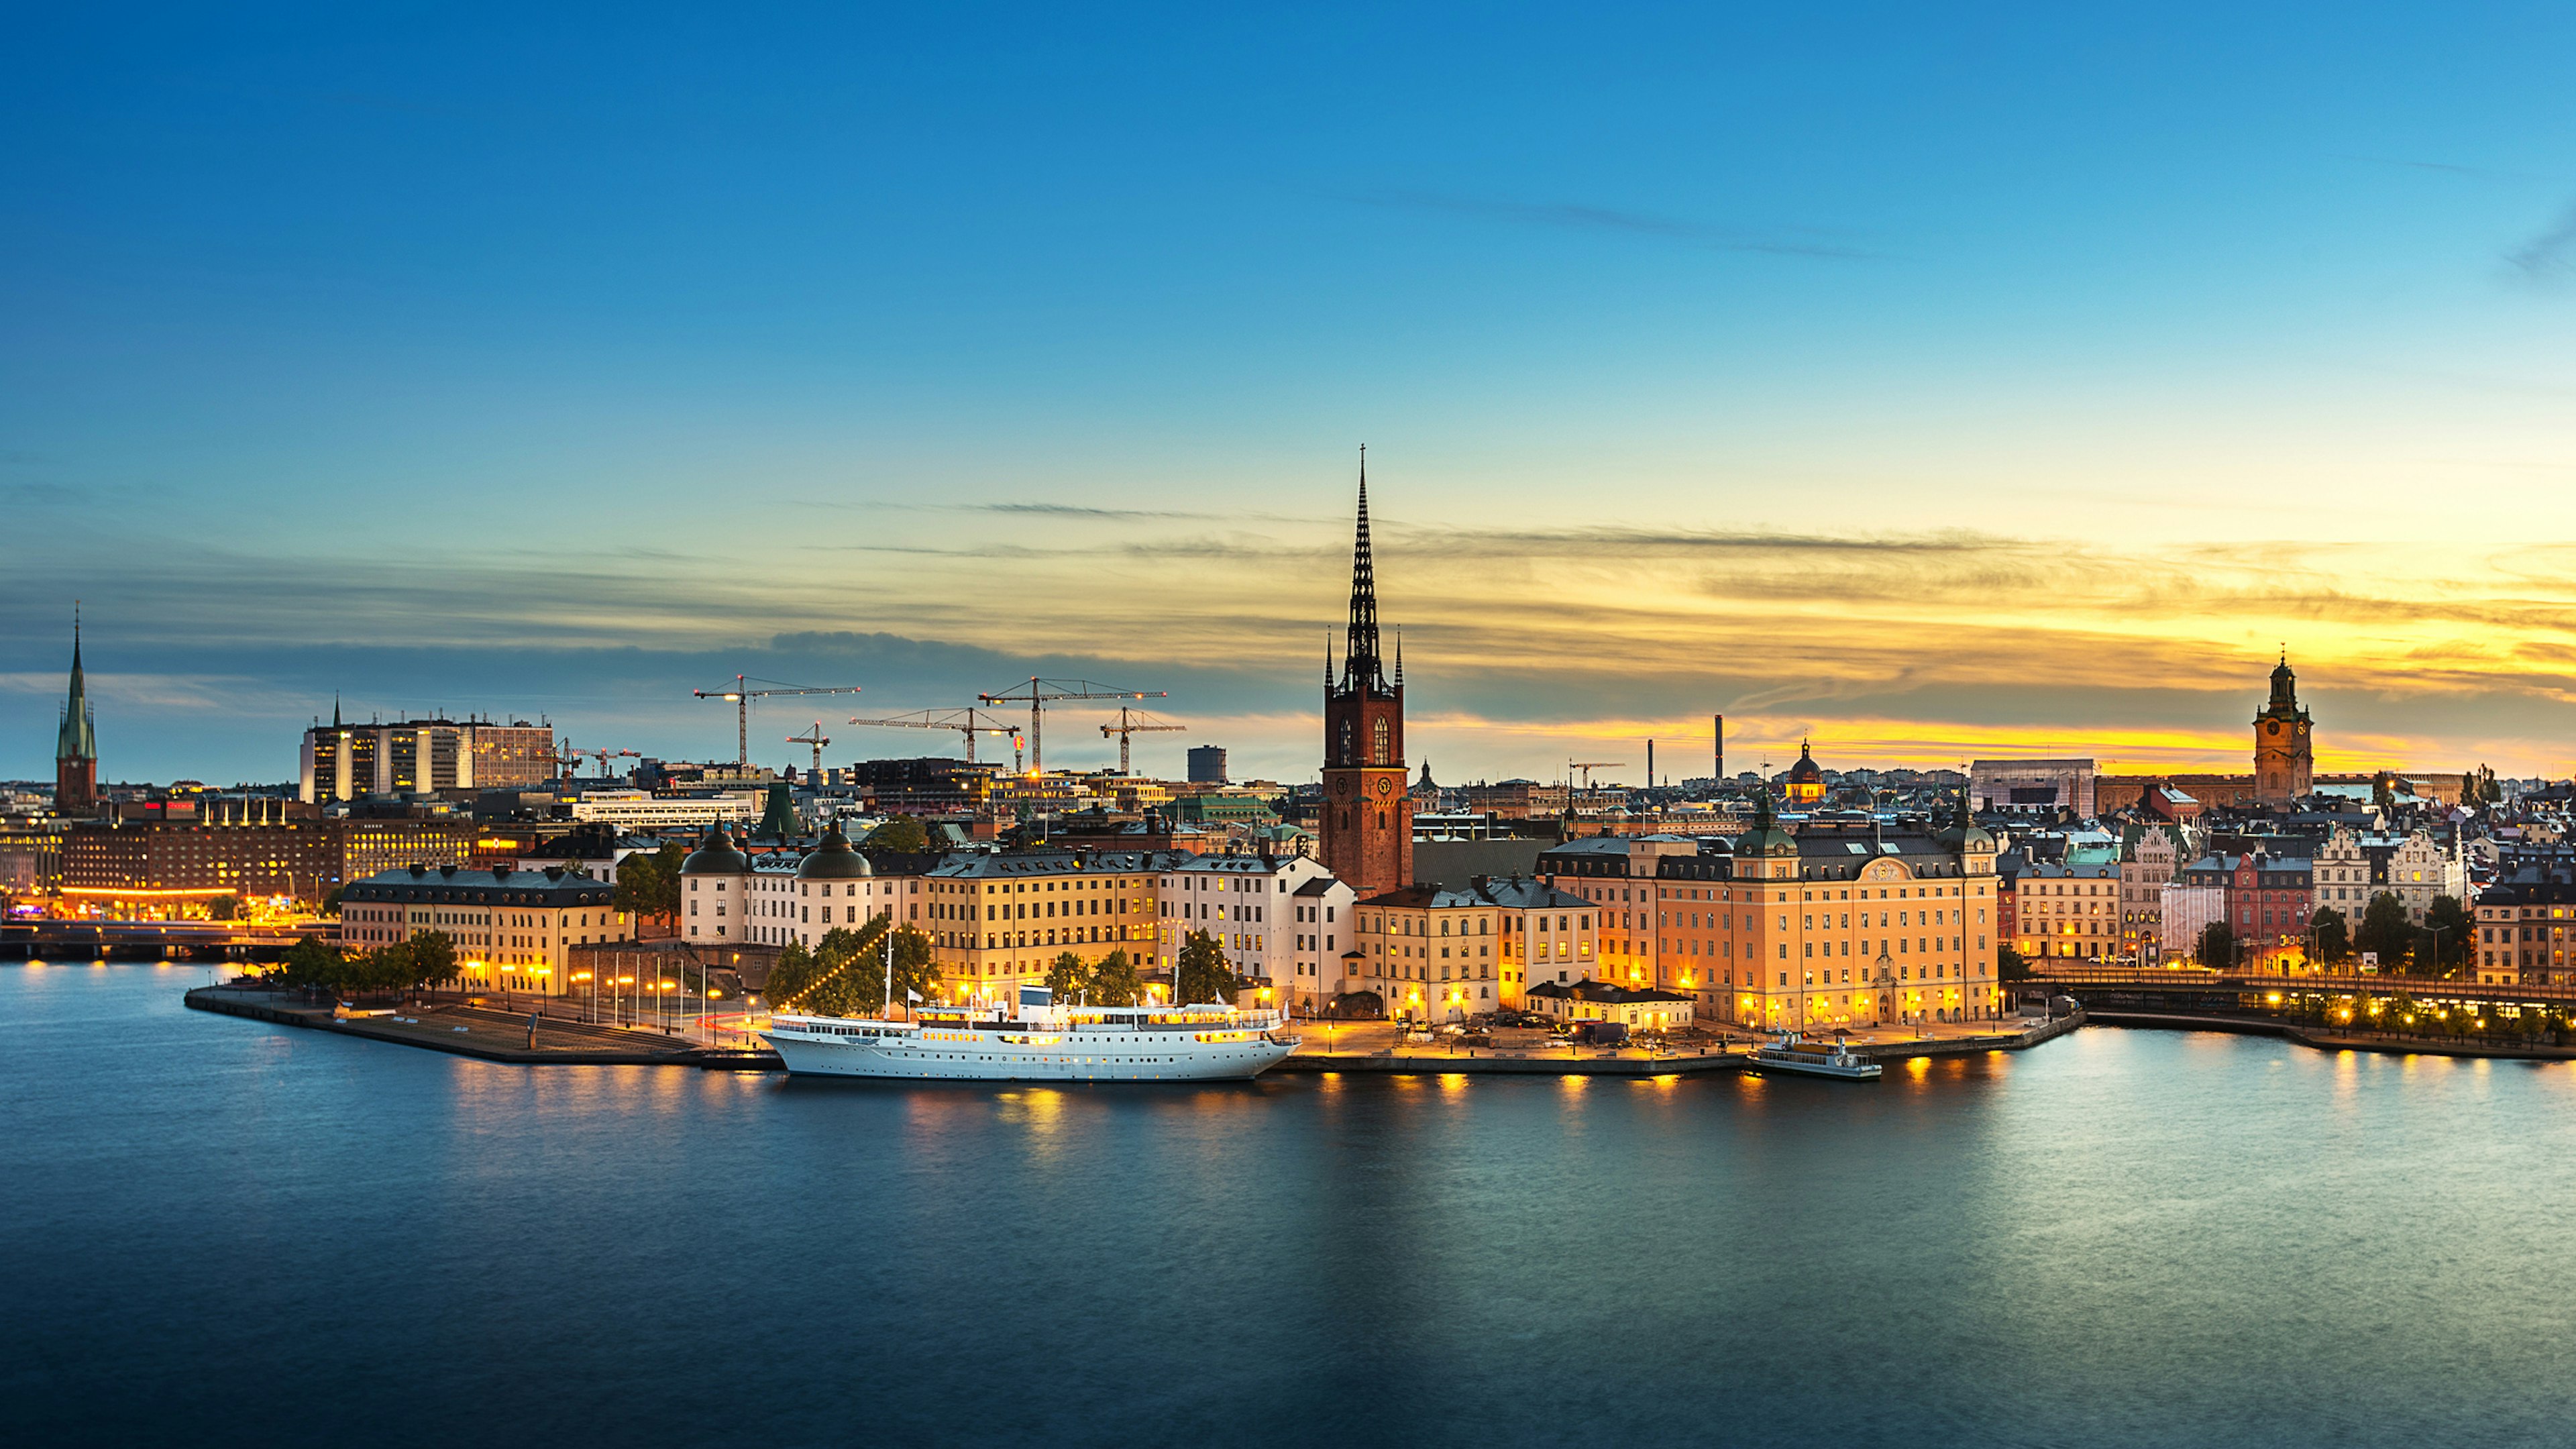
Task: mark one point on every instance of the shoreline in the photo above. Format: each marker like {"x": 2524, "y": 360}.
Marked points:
{"x": 485, "y": 1035}
{"x": 1429, "y": 1064}
{"x": 2326, "y": 1041}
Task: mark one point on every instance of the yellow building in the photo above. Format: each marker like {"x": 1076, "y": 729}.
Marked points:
{"x": 512, "y": 928}
{"x": 1432, "y": 954}
{"x": 996, "y": 922}
{"x": 1843, "y": 924}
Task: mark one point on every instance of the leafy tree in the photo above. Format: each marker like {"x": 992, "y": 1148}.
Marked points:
{"x": 433, "y": 959}
{"x": 916, "y": 966}
{"x": 793, "y": 973}
{"x": 1069, "y": 976}
{"x": 2011, "y": 965}
{"x": 903, "y": 833}
{"x": 2333, "y": 938}
{"x": 2217, "y": 948}
{"x": 2459, "y": 933}
{"x": 385, "y": 968}
{"x": 648, "y": 886}
{"x": 313, "y": 964}
{"x": 814, "y": 982}
{"x": 1204, "y": 974}
{"x": 2385, "y": 931}
{"x": 331, "y": 900}
{"x": 1113, "y": 981}
{"x": 223, "y": 908}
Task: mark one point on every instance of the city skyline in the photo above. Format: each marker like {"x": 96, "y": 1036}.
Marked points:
{"x": 1867, "y": 379}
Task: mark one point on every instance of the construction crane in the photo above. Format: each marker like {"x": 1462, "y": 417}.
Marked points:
{"x": 1588, "y": 766}
{"x": 1130, "y": 726}
{"x": 818, "y": 740}
{"x": 1038, "y": 693}
{"x": 566, "y": 757}
{"x": 965, "y": 721}
{"x": 604, "y": 756}
{"x": 742, "y": 694}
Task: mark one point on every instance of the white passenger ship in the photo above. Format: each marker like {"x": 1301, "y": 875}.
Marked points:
{"x": 1043, "y": 1043}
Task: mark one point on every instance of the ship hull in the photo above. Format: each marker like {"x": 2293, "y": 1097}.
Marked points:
{"x": 986, "y": 1057}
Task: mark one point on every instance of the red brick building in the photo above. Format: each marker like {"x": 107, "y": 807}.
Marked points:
{"x": 1366, "y": 824}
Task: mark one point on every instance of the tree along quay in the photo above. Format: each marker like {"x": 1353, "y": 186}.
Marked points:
{"x": 2429, "y": 1021}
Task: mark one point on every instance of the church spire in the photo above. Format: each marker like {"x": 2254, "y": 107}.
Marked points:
{"x": 1362, "y": 665}
{"x": 78, "y": 738}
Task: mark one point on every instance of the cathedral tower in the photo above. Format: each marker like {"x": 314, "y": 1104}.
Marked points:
{"x": 76, "y": 744}
{"x": 1368, "y": 814}
{"x": 2284, "y": 753}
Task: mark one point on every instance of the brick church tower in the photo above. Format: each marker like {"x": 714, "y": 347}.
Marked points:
{"x": 76, "y": 744}
{"x": 2284, "y": 752}
{"x": 1368, "y": 813}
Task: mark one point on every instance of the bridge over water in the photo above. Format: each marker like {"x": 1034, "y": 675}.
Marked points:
{"x": 154, "y": 940}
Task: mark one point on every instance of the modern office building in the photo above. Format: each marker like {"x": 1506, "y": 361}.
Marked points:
{"x": 422, "y": 757}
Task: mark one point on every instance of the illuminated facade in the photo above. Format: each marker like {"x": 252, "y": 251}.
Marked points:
{"x": 1432, "y": 954}
{"x": 998, "y": 921}
{"x": 2154, "y": 853}
{"x": 2072, "y": 912}
{"x": 1838, "y": 925}
{"x": 1805, "y": 785}
{"x": 421, "y": 757}
{"x": 784, "y": 897}
{"x": 179, "y": 867}
{"x": 1615, "y": 876}
{"x": 513, "y": 929}
{"x": 2523, "y": 928}
{"x": 1251, "y": 907}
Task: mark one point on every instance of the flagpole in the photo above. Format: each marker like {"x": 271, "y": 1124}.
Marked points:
{"x": 889, "y": 965}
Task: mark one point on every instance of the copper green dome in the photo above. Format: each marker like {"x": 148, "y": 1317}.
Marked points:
{"x": 1766, "y": 837}
{"x": 1963, "y": 834}
{"x": 834, "y": 859}
{"x": 716, "y": 855}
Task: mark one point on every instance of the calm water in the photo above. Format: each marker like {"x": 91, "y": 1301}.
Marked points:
{"x": 220, "y": 1232}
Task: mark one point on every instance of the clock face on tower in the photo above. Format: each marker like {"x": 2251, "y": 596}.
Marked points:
{"x": 1385, "y": 786}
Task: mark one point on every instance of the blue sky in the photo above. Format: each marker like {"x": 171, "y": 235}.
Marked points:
{"x": 1933, "y": 383}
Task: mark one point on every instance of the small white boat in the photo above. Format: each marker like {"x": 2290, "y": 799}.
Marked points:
{"x": 1815, "y": 1059}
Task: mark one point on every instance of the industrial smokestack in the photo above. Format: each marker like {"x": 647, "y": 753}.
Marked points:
{"x": 1650, "y": 764}
{"x": 1719, "y": 734}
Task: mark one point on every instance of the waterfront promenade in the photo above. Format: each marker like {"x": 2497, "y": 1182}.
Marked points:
{"x": 489, "y": 1033}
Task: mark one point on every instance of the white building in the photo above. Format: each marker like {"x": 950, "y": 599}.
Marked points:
{"x": 2188, "y": 910}
{"x": 2032, "y": 785}
{"x": 1252, "y": 906}
{"x": 783, "y": 897}
{"x": 2149, "y": 864}
{"x": 1326, "y": 940}
{"x": 642, "y": 810}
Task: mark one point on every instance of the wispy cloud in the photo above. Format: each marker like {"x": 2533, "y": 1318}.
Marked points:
{"x": 1576, "y": 216}
{"x": 2551, "y": 254}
